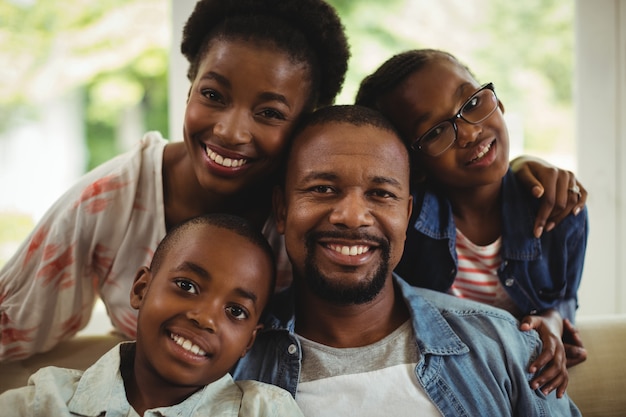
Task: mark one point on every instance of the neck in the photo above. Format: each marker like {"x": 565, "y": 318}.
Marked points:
{"x": 185, "y": 198}
{"x": 477, "y": 212}
{"x": 146, "y": 390}
{"x": 344, "y": 326}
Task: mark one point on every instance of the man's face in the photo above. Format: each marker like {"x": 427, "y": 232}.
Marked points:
{"x": 345, "y": 209}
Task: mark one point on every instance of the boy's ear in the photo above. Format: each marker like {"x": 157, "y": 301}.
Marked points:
{"x": 280, "y": 211}
{"x": 140, "y": 287}
{"x": 252, "y": 339}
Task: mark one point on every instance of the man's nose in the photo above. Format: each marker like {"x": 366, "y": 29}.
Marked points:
{"x": 352, "y": 211}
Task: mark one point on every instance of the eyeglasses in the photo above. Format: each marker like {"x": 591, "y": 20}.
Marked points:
{"x": 476, "y": 109}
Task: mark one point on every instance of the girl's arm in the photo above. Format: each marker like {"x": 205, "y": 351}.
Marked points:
{"x": 553, "y": 186}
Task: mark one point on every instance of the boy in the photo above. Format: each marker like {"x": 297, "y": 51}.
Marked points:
{"x": 199, "y": 306}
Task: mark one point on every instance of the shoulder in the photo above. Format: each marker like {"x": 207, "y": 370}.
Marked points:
{"x": 266, "y": 400}
{"x": 48, "y": 392}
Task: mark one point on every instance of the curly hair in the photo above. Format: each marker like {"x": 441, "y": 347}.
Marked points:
{"x": 309, "y": 31}
{"x": 395, "y": 70}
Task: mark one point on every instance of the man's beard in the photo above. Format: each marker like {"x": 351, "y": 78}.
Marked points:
{"x": 339, "y": 292}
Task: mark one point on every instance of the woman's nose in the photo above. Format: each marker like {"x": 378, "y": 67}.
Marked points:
{"x": 233, "y": 127}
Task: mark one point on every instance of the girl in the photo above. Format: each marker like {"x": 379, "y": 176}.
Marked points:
{"x": 471, "y": 231}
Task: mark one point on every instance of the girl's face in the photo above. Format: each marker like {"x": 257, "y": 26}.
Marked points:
{"x": 436, "y": 93}
{"x": 241, "y": 109}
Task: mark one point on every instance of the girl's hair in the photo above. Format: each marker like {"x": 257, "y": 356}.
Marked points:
{"x": 309, "y": 31}
{"x": 395, "y": 70}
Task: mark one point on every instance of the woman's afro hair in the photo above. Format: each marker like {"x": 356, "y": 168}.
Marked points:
{"x": 309, "y": 31}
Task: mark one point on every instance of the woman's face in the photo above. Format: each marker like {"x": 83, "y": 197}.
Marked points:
{"x": 241, "y": 110}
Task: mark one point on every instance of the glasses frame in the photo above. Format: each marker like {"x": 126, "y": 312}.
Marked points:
{"x": 452, "y": 120}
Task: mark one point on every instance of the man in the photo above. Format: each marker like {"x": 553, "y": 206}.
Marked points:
{"x": 349, "y": 337}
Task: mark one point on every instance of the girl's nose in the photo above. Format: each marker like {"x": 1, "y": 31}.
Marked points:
{"x": 467, "y": 133}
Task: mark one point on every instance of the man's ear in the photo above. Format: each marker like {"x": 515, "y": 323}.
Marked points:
{"x": 280, "y": 211}
{"x": 140, "y": 287}
{"x": 252, "y": 339}
{"x": 410, "y": 209}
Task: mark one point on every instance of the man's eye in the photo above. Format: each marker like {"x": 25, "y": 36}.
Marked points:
{"x": 322, "y": 189}
{"x": 187, "y": 286}
{"x": 383, "y": 194}
{"x": 238, "y": 313}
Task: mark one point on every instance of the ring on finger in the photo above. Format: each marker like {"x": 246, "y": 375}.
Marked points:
{"x": 575, "y": 189}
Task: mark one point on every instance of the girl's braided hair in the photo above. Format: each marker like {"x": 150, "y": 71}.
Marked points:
{"x": 394, "y": 71}
{"x": 309, "y": 31}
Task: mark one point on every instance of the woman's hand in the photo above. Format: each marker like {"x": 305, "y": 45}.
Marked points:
{"x": 552, "y": 361}
{"x": 559, "y": 191}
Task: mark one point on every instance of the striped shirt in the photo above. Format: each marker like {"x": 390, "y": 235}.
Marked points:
{"x": 477, "y": 277}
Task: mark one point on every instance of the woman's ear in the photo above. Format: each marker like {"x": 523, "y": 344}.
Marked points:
{"x": 140, "y": 287}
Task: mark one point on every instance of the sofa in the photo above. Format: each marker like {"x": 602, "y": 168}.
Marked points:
{"x": 596, "y": 385}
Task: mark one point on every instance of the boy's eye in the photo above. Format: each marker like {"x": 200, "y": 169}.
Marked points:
{"x": 187, "y": 286}
{"x": 237, "y": 312}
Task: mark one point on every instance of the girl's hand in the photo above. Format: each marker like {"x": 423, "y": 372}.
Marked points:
{"x": 552, "y": 361}
{"x": 574, "y": 349}
{"x": 558, "y": 189}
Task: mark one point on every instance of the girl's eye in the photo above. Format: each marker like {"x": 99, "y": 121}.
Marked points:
{"x": 433, "y": 134}
{"x": 237, "y": 312}
{"x": 471, "y": 104}
{"x": 187, "y": 286}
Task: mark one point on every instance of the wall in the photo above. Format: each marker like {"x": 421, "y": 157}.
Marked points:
{"x": 600, "y": 89}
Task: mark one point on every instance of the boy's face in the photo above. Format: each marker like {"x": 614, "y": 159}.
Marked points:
{"x": 480, "y": 155}
{"x": 345, "y": 209}
{"x": 199, "y": 313}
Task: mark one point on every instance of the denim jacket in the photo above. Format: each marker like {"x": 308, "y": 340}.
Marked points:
{"x": 473, "y": 359}
{"x": 538, "y": 274}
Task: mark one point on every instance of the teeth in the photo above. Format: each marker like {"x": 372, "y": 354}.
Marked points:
{"x": 226, "y": 162}
{"x": 350, "y": 250}
{"x": 483, "y": 152}
{"x": 188, "y": 345}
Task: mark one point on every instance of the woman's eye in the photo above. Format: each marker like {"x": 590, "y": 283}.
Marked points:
{"x": 211, "y": 94}
{"x": 237, "y": 312}
{"x": 271, "y": 114}
{"x": 187, "y": 286}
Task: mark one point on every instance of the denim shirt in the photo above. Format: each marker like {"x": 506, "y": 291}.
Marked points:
{"x": 473, "y": 359}
{"x": 538, "y": 274}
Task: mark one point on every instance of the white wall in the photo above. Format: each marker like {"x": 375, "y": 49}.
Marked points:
{"x": 600, "y": 91}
